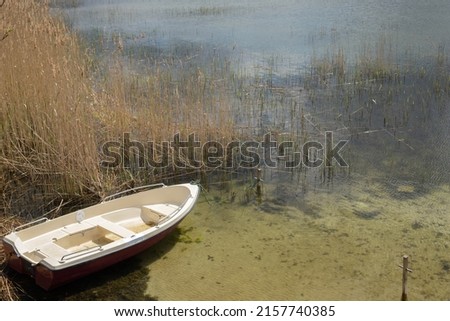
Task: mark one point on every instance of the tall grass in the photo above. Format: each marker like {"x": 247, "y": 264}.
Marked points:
{"x": 47, "y": 128}
{"x": 55, "y": 114}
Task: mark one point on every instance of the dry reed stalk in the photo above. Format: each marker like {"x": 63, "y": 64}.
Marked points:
{"x": 8, "y": 289}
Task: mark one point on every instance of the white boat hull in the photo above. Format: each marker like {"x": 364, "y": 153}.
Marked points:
{"x": 62, "y": 250}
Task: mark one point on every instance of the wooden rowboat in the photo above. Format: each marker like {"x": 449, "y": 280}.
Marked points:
{"x": 58, "y": 251}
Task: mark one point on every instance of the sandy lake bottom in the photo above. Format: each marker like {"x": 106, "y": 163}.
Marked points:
{"x": 341, "y": 245}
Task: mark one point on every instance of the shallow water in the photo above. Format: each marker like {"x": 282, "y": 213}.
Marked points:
{"x": 316, "y": 234}
{"x": 326, "y": 245}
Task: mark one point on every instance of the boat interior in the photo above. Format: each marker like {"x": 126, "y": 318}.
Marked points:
{"x": 77, "y": 235}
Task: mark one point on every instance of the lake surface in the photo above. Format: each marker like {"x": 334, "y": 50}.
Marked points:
{"x": 316, "y": 233}
{"x": 291, "y": 30}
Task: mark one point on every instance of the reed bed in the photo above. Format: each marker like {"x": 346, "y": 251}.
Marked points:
{"x": 57, "y": 109}
{"x": 47, "y": 128}
{"x": 380, "y": 88}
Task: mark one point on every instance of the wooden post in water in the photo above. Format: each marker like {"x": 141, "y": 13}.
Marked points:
{"x": 405, "y": 277}
{"x": 258, "y": 183}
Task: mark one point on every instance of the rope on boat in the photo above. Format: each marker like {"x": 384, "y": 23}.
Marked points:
{"x": 203, "y": 189}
